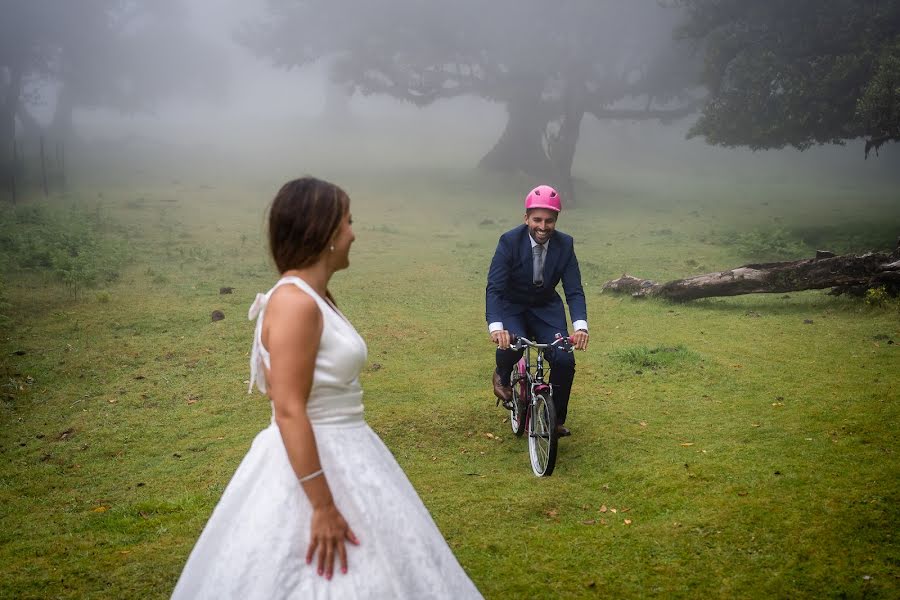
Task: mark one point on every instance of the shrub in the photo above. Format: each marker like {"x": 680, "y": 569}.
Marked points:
{"x": 770, "y": 245}
{"x": 657, "y": 357}
{"x": 64, "y": 243}
{"x": 881, "y": 297}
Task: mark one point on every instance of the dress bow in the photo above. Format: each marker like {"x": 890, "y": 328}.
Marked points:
{"x": 258, "y": 304}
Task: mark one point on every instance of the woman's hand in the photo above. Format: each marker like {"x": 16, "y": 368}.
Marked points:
{"x": 329, "y": 531}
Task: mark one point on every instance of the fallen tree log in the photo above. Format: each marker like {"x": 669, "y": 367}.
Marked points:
{"x": 845, "y": 274}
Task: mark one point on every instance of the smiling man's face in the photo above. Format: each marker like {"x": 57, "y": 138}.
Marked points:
{"x": 541, "y": 223}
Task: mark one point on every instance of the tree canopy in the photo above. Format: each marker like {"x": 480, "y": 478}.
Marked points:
{"x": 798, "y": 73}
{"x": 548, "y": 63}
{"x": 114, "y": 54}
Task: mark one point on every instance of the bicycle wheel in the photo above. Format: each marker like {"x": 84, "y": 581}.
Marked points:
{"x": 519, "y": 382}
{"x": 542, "y": 438}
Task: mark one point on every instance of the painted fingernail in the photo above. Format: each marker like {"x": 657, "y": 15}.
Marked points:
{"x": 344, "y": 570}
{"x": 321, "y": 572}
{"x": 328, "y": 577}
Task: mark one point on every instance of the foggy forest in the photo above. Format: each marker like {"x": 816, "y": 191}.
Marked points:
{"x": 729, "y": 172}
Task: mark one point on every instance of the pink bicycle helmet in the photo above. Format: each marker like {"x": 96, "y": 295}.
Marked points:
{"x": 543, "y": 196}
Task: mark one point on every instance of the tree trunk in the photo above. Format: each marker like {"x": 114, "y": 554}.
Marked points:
{"x": 520, "y": 147}
{"x": 62, "y": 127}
{"x": 32, "y": 130}
{"x": 561, "y": 147}
{"x": 844, "y": 273}
{"x": 9, "y": 105}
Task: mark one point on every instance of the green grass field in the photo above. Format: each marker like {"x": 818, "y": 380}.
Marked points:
{"x": 735, "y": 447}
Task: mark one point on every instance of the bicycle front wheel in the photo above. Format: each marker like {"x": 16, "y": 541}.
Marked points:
{"x": 542, "y": 438}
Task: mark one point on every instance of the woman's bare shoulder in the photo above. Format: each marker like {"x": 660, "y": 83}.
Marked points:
{"x": 289, "y": 301}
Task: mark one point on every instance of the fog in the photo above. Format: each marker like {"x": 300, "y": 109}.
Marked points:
{"x": 259, "y": 116}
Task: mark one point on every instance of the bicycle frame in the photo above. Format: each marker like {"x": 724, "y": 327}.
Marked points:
{"x": 535, "y": 382}
{"x": 533, "y": 399}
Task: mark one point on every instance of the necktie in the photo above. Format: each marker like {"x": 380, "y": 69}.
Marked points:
{"x": 538, "y": 255}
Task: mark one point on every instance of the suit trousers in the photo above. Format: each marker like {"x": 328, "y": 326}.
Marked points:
{"x": 562, "y": 364}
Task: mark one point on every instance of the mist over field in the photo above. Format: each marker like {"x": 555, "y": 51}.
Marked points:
{"x": 210, "y": 107}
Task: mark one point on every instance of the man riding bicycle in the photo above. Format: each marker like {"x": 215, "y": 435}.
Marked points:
{"x": 528, "y": 264}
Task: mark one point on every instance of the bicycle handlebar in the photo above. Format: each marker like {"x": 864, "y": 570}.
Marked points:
{"x": 518, "y": 342}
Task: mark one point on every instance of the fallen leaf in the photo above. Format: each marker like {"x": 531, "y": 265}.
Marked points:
{"x": 603, "y": 508}
{"x": 643, "y": 423}
{"x": 612, "y": 510}
{"x": 589, "y": 521}
{"x": 489, "y": 436}
{"x": 625, "y": 510}
{"x": 112, "y": 400}
{"x": 628, "y": 521}
{"x": 552, "y": 512}
{"x": 603, "y": 521}
{"x": 100, "y": 509}
{"x": 754, "y": 425}
{"x": 686, "y": 444}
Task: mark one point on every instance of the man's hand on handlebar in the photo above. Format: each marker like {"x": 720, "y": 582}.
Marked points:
{"x": 501, "y": 338}
{"x": 580, "y": 339}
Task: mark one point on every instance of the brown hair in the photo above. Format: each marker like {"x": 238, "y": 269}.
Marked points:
{"x": 303, "y": 218}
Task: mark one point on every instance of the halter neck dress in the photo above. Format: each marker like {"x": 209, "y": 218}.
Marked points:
{"x": 254, "y": 544}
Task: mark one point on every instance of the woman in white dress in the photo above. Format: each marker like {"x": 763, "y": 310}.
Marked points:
{"x": 318, "y": 508}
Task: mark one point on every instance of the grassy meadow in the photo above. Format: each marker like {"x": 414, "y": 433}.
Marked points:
{"x": 732, "y": 447}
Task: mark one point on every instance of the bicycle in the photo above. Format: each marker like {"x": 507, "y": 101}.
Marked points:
{"x": 531, "y": 406}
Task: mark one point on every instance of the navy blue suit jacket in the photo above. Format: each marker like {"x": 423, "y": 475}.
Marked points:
{"x": 510, "y": 290}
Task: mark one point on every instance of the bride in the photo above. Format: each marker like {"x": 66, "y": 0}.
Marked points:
{"x": 318, "y": 508}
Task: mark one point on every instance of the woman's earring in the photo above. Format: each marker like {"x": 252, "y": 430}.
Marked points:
{"x": 332, "y": 247}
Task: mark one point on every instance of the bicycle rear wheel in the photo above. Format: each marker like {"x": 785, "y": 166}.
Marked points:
{"x": 519, "y": 383}
{"x": 542, "y": 438}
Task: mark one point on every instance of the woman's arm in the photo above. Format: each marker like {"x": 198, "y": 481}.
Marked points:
{"x": 291, "y": 332}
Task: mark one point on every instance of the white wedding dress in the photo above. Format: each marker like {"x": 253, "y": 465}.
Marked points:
{"x": 254, "y": 544}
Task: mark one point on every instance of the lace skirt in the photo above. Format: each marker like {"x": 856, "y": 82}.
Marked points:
{"x": 254, "y": 544}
